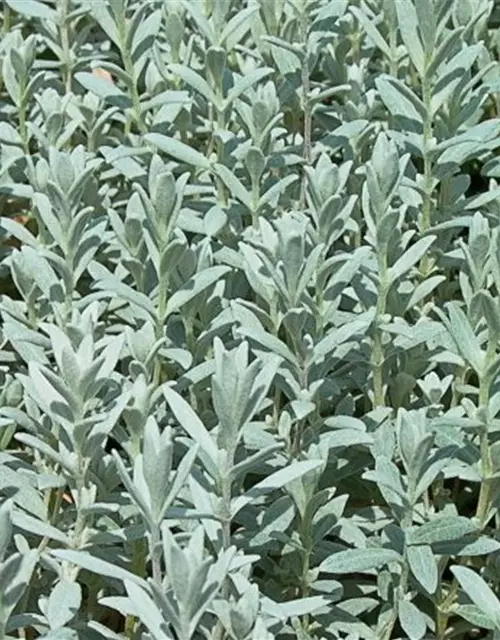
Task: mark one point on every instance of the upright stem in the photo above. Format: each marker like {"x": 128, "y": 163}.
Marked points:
{"x": 65, "y": 43}
{"x": 225, "y": 491}
{"x": 23, "y": 130}
{"x": 483, "y": 504}
{"x": 162, "y": 308}
{"x": 155, "y": 553}
{"x": 400, "y": 592}
{"x": 130, "y": 71}
{"x": 486, "y": 484}
{"x": 377, "y": 358}
{"x": 80, "y": 515}
{"x": 393, "y": 46}
{"x": 426, "y": 208}
{"x": 425, "y": 263}
{"x": 6, "y": 18}
{"x": 306, "y": 102}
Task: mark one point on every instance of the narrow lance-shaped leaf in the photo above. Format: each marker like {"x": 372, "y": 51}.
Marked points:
{"x": 410, "y": 257}
{"x": 412, "y": 620}
{"x": 408, "y": 25}
{"x": 191, "y": 423}
{"x": 276, "y": 480}
{"x": 95, "y": 565}
{"x": 479, "y": 592}
{"x": 359, "y": 560}
{"x": 178, "y": 150}
{"x": 104, "y": 89}
{"x": 371, "y": 30}
{"x": 194, "y": 286}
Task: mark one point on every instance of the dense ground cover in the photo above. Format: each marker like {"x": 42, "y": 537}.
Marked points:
{"x": 249, "y": 266}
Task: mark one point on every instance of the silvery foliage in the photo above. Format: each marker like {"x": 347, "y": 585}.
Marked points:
{"x": 250, "y": 263}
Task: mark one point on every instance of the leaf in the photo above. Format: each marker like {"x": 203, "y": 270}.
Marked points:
{"x": 467, "y": 546}
{"x": 38, "y": 527}
{"x": 464, "y": 337}
{"x": 104, "y": 89}
{"x": 195, "y": 81}
{"x": 337, "y": 336}
{"x": 190, "y": 422}
{"x": 412, "y": 620}
{"x": 147, "y": 610}
{"x": 400, "y": 100}
{"x": 43, "y": 274}
{"x": 105, "y": 20}
{"x": 408, "y": 25}
{"x": 371, "y": 30}
{"x": 144, "y": 36}
{"x": 19, "y": 231}
{"x": 26, "y": 496}
{"x": 194, "y": 286}
{"x": 490, "y": 310}
{"x": 51, "y": 454}
{"x": 234, "y": 185}
{"x": 198, "y": 15}
{"x": 114, "y": 286}
{"x": 254, "y": 460}
{"x": 423, "y": 290}
{"x": 5, "y": 527}
{"x": 64, "y": 602}
{"x": 426, "y": 24}
{"x": 244, "y": 83}
{"x": 95, "y": 565}
{"x": 33, "y": 9}
{"x": 276, "y": 480}
{"x": 441, "y": 529}
{"x": 410, "y": 258}
{"x": 15, "y": 576}
{"x": 359, "y": 560}
{"x": 136, "y": 493}
{"x": 473, "y": 614}
{"x": 242, "y": 17}
{"x": 270, "y": 342}
{"x": 178, "y": 150}
{"x": 479, "y": 592}
{"x": 423, "y": 566}
{"x": 181, "y": 475}
{"x": 299, "y": 607}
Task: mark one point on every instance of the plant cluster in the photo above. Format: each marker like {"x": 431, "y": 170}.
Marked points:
{"x": 250, "y": 320}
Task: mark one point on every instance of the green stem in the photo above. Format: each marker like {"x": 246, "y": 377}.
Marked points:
{"x": 393, "y": 46}
{"x": 136, "y": 100}
{"x": 377, "y": 358}
{"x": 307, "y": 545}
{"x": 225, "y": 492}
{"x": 162, "y": 310}
{"x": 130, "y": 71}
{"x": 306, "y": 104}
{"x": 6, "y": 18}
{"x": 191, "y": 346}
{"x": 80, "y": 515}
{"x": 226, "y": 484}
{"x": 426, "y": 223}
{"x": 139, "y": 556}
{"x": 484, "y": 500}
{"x": 155, "y": 553}
{"x": 426, "y": 207}
{"x": 23, "y": 130}
{"x": 65, "y": 43}
{"x": 400, "y": 592}
{"x": 54, "y": 512}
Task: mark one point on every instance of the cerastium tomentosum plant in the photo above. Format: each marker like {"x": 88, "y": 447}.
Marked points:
{"x": 249, "y": 320}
